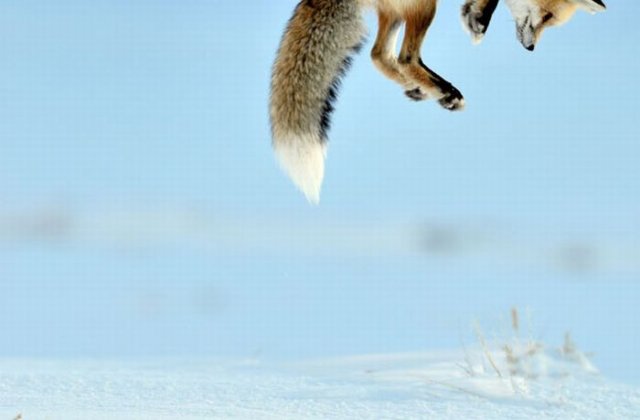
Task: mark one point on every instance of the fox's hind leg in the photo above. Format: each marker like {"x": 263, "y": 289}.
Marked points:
{"x": 412, "y": 67}
{"x": 383, "y": 53}
{"x": 476, "y": 17}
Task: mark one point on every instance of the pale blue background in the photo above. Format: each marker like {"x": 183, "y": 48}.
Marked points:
{"x": 127, "y": 115}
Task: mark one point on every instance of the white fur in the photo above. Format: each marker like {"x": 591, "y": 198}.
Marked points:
{"x": 528, "y": 15}
{"x": 472, "y": 26}
{"x": 302, "y": 158}
{"x": 521, "y": 9}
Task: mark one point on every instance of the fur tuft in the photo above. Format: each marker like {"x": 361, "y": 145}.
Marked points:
{"x": 314, "y": 54}
{"x": 302, "y": 158}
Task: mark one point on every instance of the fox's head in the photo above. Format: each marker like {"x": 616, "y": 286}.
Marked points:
{"x": 534, "y": 16}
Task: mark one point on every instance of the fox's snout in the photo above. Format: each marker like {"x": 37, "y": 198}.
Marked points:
{"x": 534, "y": 16}
{"x": 526, "y": 33}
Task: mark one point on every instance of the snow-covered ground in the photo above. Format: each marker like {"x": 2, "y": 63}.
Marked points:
{"x": 528, "y": 381}
{"x": 138, "y": 318}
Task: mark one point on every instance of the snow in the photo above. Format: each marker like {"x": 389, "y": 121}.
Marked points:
{"x": 152, "y": 316}
{"x": 556, "y": 383}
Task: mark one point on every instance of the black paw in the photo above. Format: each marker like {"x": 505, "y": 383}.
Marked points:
{"x": 452, "y": 100}
{"x": 416, "y": 94}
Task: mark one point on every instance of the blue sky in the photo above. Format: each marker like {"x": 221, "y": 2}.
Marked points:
{"x": 167, "y": 102}
{"x": 163, "y": 105}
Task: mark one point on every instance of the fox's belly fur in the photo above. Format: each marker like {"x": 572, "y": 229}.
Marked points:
{"x": 400, "y": 7}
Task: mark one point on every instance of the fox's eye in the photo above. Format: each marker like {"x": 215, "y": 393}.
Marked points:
{"x": 547, "y": 17}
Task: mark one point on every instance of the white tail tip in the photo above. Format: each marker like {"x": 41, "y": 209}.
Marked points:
{"x": 302, "y": 158}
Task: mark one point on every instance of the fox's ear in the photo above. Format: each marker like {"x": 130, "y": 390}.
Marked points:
{"x": 591, "y": 6}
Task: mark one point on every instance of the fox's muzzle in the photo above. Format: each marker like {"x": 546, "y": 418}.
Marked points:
{"x": 526, "y": 34}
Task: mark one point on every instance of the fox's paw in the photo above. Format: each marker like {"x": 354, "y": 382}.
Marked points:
{"x": 416, "y": 94}
{"x": 452, "y": 99}
{"x": 474, "y": 21}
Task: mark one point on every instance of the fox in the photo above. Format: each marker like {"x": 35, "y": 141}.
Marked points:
{"x": 322, "y": 37}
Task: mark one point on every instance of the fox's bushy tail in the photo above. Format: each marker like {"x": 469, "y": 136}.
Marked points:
{"x": 314, "y": 54}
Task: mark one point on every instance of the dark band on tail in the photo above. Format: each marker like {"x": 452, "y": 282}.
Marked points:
{"x": 334, "y": 90}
